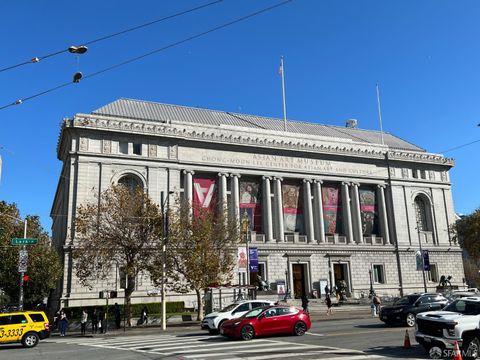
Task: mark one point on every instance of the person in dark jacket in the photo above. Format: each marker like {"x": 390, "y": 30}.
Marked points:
{"x": 305, "y": 303}
{"x": 94, "y": 321}
{"x": 118, "y": 316}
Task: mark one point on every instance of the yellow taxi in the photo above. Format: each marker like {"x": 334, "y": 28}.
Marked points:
{"x": 27, "y": 327}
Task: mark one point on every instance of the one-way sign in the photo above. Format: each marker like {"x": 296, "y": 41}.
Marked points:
{"x": 23, "y": 241}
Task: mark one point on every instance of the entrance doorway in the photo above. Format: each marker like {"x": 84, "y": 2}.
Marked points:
{"x": 299, "y": 280}
{"x": 341, "y": 274}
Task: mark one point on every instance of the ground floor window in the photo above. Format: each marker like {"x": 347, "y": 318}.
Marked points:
{"x": 433, "y": 273}
{"x": 378, "y": 274}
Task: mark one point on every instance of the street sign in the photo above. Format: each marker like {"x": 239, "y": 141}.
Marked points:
{"x": 22, "y": 241}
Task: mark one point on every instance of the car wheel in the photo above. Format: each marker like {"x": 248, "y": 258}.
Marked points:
{"x": 300, "y": 328}
{"x": 471, "y": 347}
{"x": 30, "y": 340}
{"x": 247, "y": 332}
{"x": 410, "y": 319}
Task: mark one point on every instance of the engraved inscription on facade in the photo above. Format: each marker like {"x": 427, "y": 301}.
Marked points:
{"x": 152, "y": 150}
{"x": 107, "y": 146}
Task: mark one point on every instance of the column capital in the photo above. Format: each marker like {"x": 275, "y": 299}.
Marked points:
{"x": 236, "y": 175}
{"x": 318, "y": 181}
{"x": 345, "y": 183}
{"x": 277, "y": 178}
{"x": 381, "y": 186}
{"x": 266, "y": 178}
{"x": 222, "y": 174}
{"x": 189, "y": 172}
{"x": 356, "y": 184}
{"x": 307, "y": 181}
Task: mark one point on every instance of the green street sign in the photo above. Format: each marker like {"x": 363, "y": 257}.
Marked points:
{"x": 20, "y": 241}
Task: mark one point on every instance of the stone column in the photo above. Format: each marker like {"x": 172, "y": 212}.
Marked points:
{"x": 267, "y": 210}
{"x": 347, "y": 214}
{"x": 279, "y": 233}
{"x": 357, "y": 217}
{"x": 382, "y": 209}
{"x": 235, "y": 192}
{"x": 307, "y": 200}
{"x": 318, "y": 212}
{"x": 188, "y": 187}
{"x": 222, "y": 191}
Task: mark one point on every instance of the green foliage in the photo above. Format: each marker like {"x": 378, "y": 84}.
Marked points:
{"x": 467, "y": 232}
{"x": 44, "y": 267}
{"x": 153, "y": 308}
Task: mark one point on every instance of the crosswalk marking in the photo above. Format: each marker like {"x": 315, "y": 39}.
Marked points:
{"x": 215, "y": 347}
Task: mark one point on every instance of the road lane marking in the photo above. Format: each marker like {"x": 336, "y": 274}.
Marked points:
{"x": 314, "y": 334}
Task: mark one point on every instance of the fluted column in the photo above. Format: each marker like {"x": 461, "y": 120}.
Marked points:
{"x": 357, "y": 216}
{"x": 383, "y": 215}
{"x": 188, "y": 187}
{"x": 279, "y": 233}
{"x": 267, "y": 209}
{"x": 235, "y": 192}
{"x": 222, "y": 182}
{"x": 318, "y": 222}
{"x": 307, "y": 200}
{"x": 347, "y": 214}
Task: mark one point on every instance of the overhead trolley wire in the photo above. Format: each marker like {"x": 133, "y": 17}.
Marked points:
{"x": 38, "y": 59}
{"x": 176, "y": 43}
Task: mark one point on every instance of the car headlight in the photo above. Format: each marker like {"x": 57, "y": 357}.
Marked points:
{"x": 211, "y": 318}
{"x": 451, "y": 332}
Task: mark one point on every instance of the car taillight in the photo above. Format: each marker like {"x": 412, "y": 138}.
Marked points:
{"x": 46, "y": 326}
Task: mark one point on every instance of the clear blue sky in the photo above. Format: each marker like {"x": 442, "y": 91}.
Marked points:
{"x": 424, "y": 54}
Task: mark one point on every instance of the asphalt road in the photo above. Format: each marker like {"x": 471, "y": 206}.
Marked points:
{"x": 327, "y": 339}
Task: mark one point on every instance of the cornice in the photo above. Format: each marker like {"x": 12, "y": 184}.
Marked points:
{"x": 223, "y": 135}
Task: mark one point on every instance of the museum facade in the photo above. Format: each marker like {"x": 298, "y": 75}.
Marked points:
{"x": 326, "y": 204}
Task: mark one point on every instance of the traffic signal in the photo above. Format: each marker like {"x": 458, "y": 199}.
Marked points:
{"x": 26, "y": 278}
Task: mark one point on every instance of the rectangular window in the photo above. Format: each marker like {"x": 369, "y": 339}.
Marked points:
{"x": 123, "y": 147}
{"x": 378, "y": 274}
{"x": 433, "y": 273}
{"x": 137, "y": 149}
{"x": 415, "y": 173}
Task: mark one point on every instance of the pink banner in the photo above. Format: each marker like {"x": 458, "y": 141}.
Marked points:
{"x": 204, "y": 192}
{"x": 332, "y": 209}
{"x": 292, "y": 208}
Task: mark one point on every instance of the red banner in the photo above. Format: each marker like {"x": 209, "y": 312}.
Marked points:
{"x": 204, "y": 192}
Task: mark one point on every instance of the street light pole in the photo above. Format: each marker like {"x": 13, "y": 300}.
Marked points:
{"x": 371, "y": 283}
{"x": 164, "y": 200}
{"x": 421, "y": 254}
{"x": 22, "y": 274}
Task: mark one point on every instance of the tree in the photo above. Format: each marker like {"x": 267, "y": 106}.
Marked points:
{"x": 120, "y": 230}
{"x": 44, "y": 267}
{"x": 200, "y": 251}
{"x": 466, "y": 231}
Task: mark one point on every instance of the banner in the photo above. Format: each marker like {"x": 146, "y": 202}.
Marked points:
{"x": 332, "y": 209}
{"x": 368, "y": 211}
{"x": 281, "y": 287}
{"x": 250, "y": 202}
{"x": 426, "y": 260}
{"x": 242, "y": 259}
{"x": 292, "y": 208}
{"x": 204, "y": 192}
{"x": 253, "y": 259}
{"x": 419, "y": 260}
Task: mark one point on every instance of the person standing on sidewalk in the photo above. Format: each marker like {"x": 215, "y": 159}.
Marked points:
{"x": 377, "y": 303}
{"x": 94, "y": 321}
{"x": 328, "y": 302}
{"x": 118, "y": 316}
{"x": 63, "y": 323}
{"x": 305, "y": 303}
{"x": 83, "y": 321}
{"x": 145, "y": 315}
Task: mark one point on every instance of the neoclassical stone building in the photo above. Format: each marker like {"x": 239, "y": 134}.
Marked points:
{"x": 325, "y": 203}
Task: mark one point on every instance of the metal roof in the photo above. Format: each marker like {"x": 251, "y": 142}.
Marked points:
{"x": 159, "y": 112}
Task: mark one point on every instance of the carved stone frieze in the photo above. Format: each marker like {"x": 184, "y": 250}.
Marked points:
{"x": 107, "y": 146}
{"x": 83, "y": 144}
{"x": 404, "y": 173}
{"x": 173, "y": 152}
{"x": 152, "y": 150}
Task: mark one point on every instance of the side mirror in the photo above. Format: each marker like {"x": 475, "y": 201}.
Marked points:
{"x": 261, "y": 316}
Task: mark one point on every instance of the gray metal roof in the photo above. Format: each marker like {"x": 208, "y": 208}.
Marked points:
{"x": 152, "y": 111}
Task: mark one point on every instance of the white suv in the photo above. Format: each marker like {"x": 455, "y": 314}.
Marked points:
{"x": 212, "y": 321}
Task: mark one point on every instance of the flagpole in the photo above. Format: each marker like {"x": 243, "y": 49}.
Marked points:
{"x": 379, "y": 113}
{"x": 283, "y": 96}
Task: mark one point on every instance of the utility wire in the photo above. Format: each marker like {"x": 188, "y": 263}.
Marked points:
{"x": 243, "y": 18}
{"x": 459, "y": 146}
{"x": 38, "y": 59}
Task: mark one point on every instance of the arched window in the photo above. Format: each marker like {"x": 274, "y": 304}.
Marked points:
{"x": 130, "y": 181}
{"x": 421, "y": 214}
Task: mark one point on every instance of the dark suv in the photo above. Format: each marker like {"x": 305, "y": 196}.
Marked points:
{"x": 405, "y": 309}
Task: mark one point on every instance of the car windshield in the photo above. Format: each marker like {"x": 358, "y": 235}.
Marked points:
{"x": 406, "y": 300}
{"x": 464, "y": 307}
{"x": 253, "y": 313}
{"x": 229, "y": 308}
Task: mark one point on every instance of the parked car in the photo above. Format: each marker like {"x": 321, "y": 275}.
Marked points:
{"x": 27, "y": 327}
{"x": 405, "y": 309}
{"x": 458, "y": 322}
{"x": 460, "y": 294}
{"x": 212, "y": 321}
{"x": 267, "y": 321}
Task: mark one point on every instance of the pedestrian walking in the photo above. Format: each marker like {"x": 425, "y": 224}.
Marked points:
{"x": 101, "y": 324}
{"x": 305, "y": 303}
{"x": 145, "y": 315}
{"x": 94, "y": 321}
{"x": 118, "y": 315}
{"x": 328, "y": 302}
{"x": 377, "y": 302}
{"x": 83, "y": 321}
{"x": 63, "y": 323}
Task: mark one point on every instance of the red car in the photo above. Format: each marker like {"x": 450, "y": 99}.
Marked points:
{"x": 267, "y": 321}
